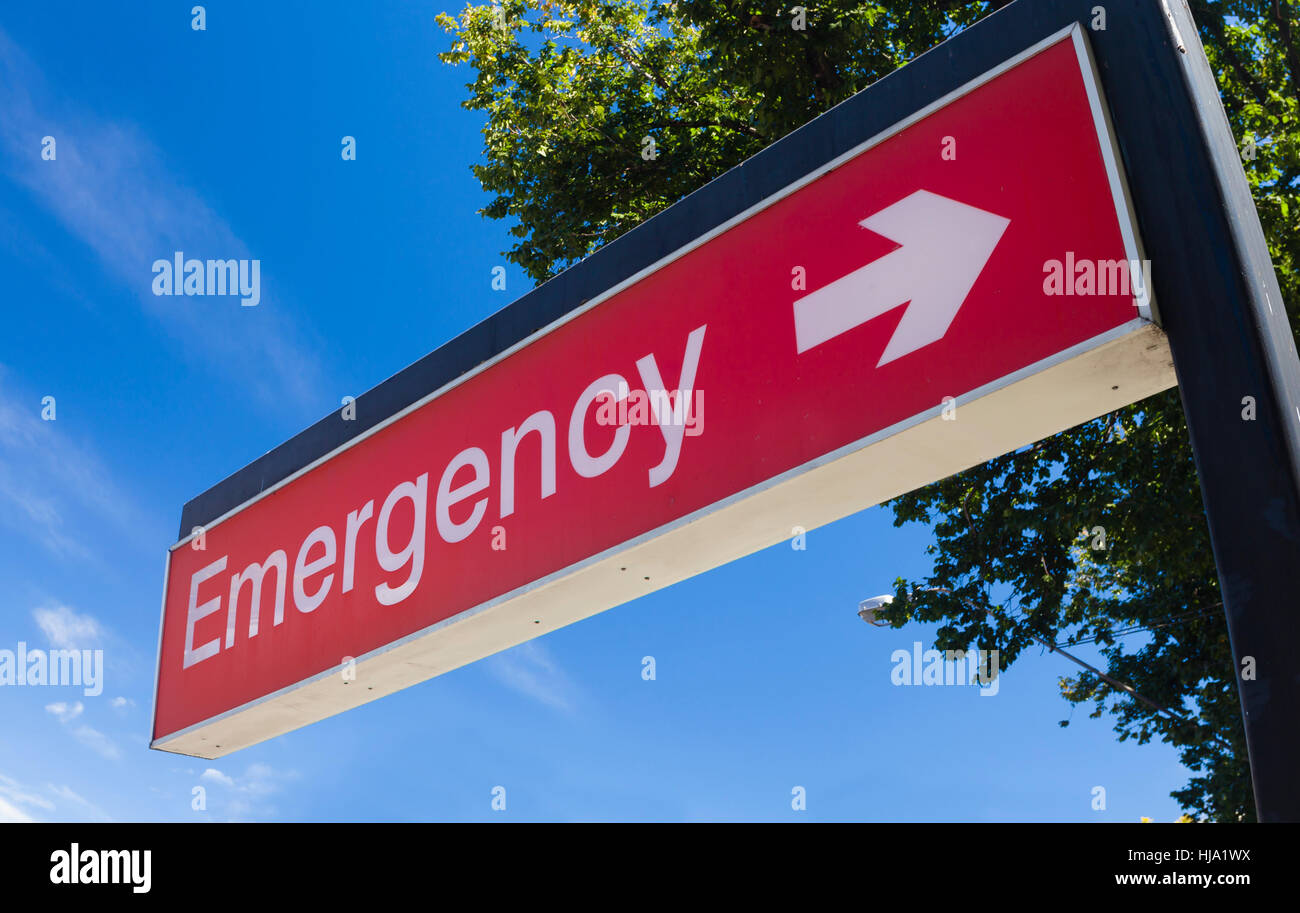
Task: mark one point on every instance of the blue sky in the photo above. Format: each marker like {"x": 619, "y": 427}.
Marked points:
{"x": 226, "y": 142}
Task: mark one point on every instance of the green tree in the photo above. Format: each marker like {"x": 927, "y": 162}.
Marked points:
{"x": 574, "y": 91}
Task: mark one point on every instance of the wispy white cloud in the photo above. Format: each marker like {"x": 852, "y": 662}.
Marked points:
{"x": 53, "y": 490}
{"x": 248, "y": 795}
{"x": 212, "y": 775}
{"x": 13, "y": 795}
{"x": 98, "y": 742}
{"x": 87, "y": 735}
{"x": 10, "y": 814}
{"x": 111, "y": 188}
{"x": 68, "y": 795}
{"x": 531, "y": 670}
{"x": 65, "y": 712}
{"x": 64, "y": 792}
{"x": 68, "y": 630}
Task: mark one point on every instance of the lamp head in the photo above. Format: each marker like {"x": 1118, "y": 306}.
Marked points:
{"x": 868, "y": 609}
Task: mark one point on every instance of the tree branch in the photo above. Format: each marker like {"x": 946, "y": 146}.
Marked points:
{"x": 1212, "y": 22}
{"x": 1282, "y": 16}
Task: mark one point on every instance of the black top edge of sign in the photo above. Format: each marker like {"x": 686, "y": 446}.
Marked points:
{"x": 1132, "y": 28}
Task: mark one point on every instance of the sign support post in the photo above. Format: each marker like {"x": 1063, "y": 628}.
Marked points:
{"x": 1233, "y": 348}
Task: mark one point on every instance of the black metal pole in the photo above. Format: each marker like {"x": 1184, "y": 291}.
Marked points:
{"x": 1239, "y": 379}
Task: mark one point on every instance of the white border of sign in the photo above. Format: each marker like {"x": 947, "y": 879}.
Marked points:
{"x": 1149, "y": 372}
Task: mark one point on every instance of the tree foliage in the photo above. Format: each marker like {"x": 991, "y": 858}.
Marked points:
{"x": 572, "y": 90}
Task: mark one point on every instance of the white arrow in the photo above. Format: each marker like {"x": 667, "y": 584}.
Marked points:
{"x": 945, "y": 245}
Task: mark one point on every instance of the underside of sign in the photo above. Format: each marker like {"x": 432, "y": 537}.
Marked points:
{"x": 963, "y": 283}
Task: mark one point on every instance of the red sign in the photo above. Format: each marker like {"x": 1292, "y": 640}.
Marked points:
{"x": 919, "y": 287}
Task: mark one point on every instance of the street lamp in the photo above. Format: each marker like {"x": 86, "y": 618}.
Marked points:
{"x": 868, "y": 608}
